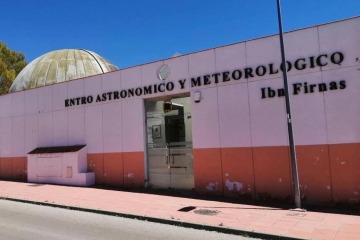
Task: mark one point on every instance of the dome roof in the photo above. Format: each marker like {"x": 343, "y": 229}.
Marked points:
{"x": 60, "y": 66}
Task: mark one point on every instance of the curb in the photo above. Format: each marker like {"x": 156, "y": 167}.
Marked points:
{"x": 163, "y": 221}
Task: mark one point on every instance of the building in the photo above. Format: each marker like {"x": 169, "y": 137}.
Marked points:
{"x": 213, "y": 120}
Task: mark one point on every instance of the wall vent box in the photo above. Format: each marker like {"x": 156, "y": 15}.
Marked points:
{"x": 197, "y": 96}
{"x": 63, "y": 165}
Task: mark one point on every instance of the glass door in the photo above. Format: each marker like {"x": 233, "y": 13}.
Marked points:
{"x": 169, "y": 143}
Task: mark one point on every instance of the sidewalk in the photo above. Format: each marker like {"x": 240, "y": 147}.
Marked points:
{"x": 256, "y": 221}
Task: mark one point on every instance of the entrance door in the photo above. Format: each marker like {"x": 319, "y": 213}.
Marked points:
{"x": 169, "y": 143}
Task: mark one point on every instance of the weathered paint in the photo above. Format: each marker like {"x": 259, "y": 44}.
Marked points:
{"x": 233, "y": 185}
{"x": 340, "y": 185}
{"x": 322, "y": 182}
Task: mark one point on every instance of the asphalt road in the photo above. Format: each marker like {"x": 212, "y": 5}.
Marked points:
{"x": 30, "y": 221}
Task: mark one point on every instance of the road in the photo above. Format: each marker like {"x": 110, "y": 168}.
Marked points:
{"x": 30, "y": 221}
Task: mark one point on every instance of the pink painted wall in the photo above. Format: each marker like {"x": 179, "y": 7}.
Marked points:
{"x": 233, "y": 128}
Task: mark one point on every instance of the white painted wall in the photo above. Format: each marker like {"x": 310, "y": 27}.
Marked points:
{"x": 230, "y": 114}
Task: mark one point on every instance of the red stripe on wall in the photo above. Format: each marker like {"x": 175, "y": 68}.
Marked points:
{"x": 134, "y": 172}
{"x": 314, "y": 174}
{"x": 327, "y": 173}
{"x": 208, "y": 171}
{"x": 238, "y": 172}
{"x": 95, "y": 163}
{"x": 13, "y": 168}
{"x": 118, "y": 169}
{"x": 272, "y": 173}
{"x": 345, "y": 172}
{"x": 113, "y": 169}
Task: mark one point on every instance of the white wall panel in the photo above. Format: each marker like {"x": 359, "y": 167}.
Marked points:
{"x": 45, "y": 129}
{"x": 92, "y": 86}
{"x": 45, "y": 99}
{"x": 230, "y": 58}
{"x": 133, "y": 124}
{"x": 75, "y": 88}
{"x": 202, "y": 63}
{"x": 18, "y": 105}
{"x": 31, "y": 132}
{"x": 111, "y": 81}
{"x": 308, "y": 111}
{"x": 341, "y": 36}
{"x": 112, "y": 127}
{"x": 76, "y": 126}
{"x": 130, "y": 78}
{"x": 31, "y": 101}
{"x": 301, "y": 44}
{"x": 263, "y": 51}
{"x": 93, "y": 129}
{"x": 234, "y": 116}
{"x": 267, "y": 116}
{"x": 343, "y": 106}
{"x": 6, "y": 137}
{"x": 205, "y": 120}
{"x": 59, "y": 96}
{"x": 6, "y": 106}
{"x": 179, "y": 70}
{"x": 60, "y": 128}
{"x": 18, "y": 136}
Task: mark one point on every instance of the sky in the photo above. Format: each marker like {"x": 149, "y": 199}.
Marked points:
{"x": 130, "y": 33}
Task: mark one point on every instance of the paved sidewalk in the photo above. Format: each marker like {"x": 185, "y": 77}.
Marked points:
{"x": 273, "y": 223}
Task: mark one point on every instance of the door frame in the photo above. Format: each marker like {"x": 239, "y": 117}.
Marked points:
{"x": 146, "y": 152}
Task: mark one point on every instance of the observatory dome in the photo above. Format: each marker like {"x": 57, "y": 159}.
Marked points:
{"x": 60, "y": 66}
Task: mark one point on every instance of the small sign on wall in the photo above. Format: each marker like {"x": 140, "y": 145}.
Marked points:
{"x": 156, "y": 131}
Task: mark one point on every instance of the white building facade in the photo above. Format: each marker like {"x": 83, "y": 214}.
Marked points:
{"x": 213, "y": 121}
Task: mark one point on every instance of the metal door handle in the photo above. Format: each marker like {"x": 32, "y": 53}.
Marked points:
{"x": 167, "y": 160}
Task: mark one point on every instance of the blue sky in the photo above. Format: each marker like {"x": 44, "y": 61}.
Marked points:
{"x": 134, "y": 32}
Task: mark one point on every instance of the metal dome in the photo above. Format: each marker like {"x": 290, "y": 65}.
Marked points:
{"x": 60, "y": 66}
